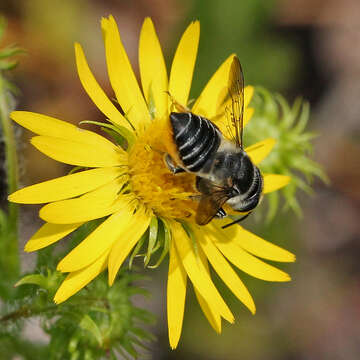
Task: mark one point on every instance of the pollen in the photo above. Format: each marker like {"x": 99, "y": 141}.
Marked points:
{"x": 166, "y": 194}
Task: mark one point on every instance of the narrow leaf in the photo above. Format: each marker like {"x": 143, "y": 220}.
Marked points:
{"x": 87, "y": 323}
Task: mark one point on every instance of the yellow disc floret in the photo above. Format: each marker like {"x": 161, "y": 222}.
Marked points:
{"x": 155, "y": 186}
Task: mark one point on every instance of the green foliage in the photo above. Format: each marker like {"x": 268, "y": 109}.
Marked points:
{"x": 157, "y": 237}
{"x": 120, "y": 134}
{"x": 9, "y": 258}
{"x": 275, "y": 118}
{"x": 7, "y": 53}
{"x": 96, "y": 322}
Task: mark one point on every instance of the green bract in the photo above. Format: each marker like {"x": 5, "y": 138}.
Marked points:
{"x": 275, "y": 118}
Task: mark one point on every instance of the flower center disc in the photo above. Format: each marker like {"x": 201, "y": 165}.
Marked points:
{"x": 166, "y": 194}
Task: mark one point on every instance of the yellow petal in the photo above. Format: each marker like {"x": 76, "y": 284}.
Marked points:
{"x": 259, "y": 151}
{"x": 95, "y": 92}
{"x": 97, "y": 243}
{"x": 215, "y": 92}
{"x": 96, "y": 204}
{"x": 122, "y": 77}
{"x": 212, "y": 314}
{"x": 75, "y": 281}
{"x": 48, "y": 126}
{"x": 248, "y": 114}
{"x": 65, "y": 187}
{"x": 200, "y": 279}
{"x": 182, "y": 67}
{"x": 256, "y": 245}
{"x": 79, "y": 154}
{"x": 225, "y": 271}
{"x": 243, "y": 260}
{"x": 131, "y": 234}
{"x": 273, "y": 182}
{"x": 153, "y": 73}
{"x": 176, "y": 293}
{"x": 49, "y": 234}
{"x": 248, "y": 94}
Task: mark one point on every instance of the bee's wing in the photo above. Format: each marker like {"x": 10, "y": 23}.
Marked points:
{"x": 209, "y": 206}
{"x": 235, "y": 111}
{"x": 212, "y": 199}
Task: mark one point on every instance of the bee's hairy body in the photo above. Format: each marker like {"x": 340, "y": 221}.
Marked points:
{"x": 203, "y": 150}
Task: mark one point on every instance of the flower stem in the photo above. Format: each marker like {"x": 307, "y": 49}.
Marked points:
{"x": 25, "y": 311}
{"x": 11, "y": 165}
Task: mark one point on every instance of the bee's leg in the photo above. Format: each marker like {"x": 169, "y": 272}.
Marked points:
{"x": 221, "y": 213}
{"x": 171, "y": 166}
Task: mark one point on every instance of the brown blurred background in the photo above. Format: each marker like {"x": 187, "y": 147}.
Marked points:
{"x": 296, "y": 47}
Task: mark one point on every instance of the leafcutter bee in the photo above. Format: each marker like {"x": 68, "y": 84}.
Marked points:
{"x": 224, "y": 172}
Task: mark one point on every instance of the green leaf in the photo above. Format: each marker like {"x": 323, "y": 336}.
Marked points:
{"x": 128, "y": 346}
{"x": 303, "y": 118}
{"x": 87, "y": 323}
{"x": 143, "y": 334}
{"x": 143, "y": 315}
{"x": 10, "y": 51}
{"x": 7, "y": 64}
{"x": 73, "y": 344}
{"x": 3, "y": 24}
{"x": 3, "y": 220}
{"x": 34, "y": 279}
{"x": 75, "y": 355}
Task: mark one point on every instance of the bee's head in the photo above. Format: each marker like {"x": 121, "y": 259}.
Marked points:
{"x": 246, "y": 187}
{"x": 243, "y": 175}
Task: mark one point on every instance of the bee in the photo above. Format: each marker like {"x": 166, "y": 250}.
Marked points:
{"x": 224, "y": 172}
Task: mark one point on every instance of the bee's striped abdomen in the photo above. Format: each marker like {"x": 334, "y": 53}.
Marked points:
{"x": 196, "y": 138}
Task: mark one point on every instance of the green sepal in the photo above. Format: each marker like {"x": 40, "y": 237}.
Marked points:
{"x": 137, "y": 248}
{"x": 120, "y": 130}
{"x": 153, "y": 233}
{"x": 192, "y": 237}
{"x": 165, "y": 244}
{"x": 75, "y": 169}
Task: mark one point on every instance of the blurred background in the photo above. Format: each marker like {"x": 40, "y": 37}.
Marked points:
{"x": 295, "y": 47}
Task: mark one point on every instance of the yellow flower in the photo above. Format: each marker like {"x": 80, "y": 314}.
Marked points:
{"x": 129, "y": 188}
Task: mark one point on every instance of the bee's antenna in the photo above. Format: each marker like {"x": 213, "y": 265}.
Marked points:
{"x": 236, "y": 221}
